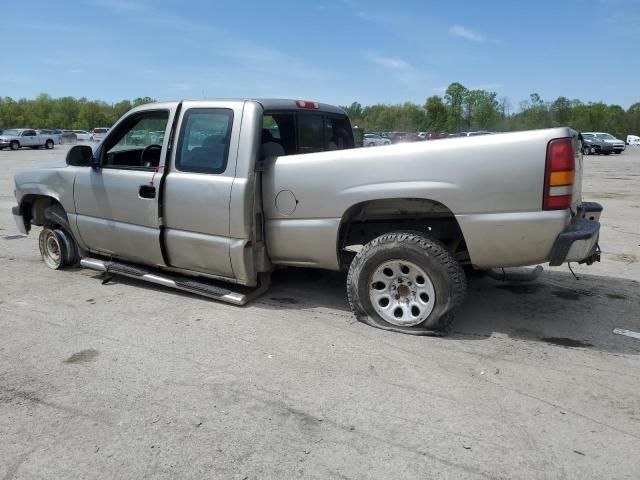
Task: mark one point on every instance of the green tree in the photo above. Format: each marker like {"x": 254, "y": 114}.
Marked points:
{"x": 436, "y": 114}
{"x": 455, "y": 99}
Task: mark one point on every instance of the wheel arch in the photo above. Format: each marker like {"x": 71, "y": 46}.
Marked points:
{"x": 33, "y": 207}
{"x": 366, "y": 220}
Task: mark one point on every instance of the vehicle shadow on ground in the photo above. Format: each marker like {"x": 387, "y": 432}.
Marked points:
{"x": 555, "y": 309}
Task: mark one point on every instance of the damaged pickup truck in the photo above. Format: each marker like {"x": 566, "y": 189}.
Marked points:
{"x": 237, "y": 188}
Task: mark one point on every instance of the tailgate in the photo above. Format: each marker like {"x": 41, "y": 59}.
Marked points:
{"x": 577, "y": 184}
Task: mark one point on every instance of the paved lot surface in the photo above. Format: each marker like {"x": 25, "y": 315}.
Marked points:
{"x": 125, "y": 380}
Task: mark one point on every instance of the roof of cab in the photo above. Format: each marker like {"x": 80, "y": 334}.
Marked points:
{"x": 270, "y": 104}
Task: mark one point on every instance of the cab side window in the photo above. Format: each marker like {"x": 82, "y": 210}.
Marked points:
{"x": 203, "y": 145}
{"x": 137, "y": 144}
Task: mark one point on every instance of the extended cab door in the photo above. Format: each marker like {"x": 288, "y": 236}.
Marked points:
{"x": 197, "y": 188}
{"x": 117, "y": 203}
{"x": 29, "y": 138}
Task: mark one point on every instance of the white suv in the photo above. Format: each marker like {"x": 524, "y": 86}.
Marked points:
{"x": 97, "y": 134}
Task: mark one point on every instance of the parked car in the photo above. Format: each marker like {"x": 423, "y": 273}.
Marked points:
{"x": 97, "y": 134}
{"x": 403, "y": 137}
{"x": 156, "y": 137}
{"x": 68, "y": 136}
{"x": 594, "y": 145}
{"x": 631, "y": 139}
{"x": 617, "y": 144}
{"x": 476, "y": 133}
{"x": 436, "y": 135}
{"x": 244, "y": 201}
{"x": 82, "y": 135}
{"x": 17, "y": 138}
{"x": 371, "y": 140}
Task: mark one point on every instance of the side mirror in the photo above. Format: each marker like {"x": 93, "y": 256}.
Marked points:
{"x": 80, "y": 156}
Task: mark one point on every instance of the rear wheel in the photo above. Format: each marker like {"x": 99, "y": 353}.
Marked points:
{"x": 586, "y": 151}
{"x": 618, "y": 152}
{"x": 49, "y": 144}
{"x": 406, "y": 282}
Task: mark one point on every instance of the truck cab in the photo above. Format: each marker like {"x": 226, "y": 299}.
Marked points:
{"x": 190, "y": 200}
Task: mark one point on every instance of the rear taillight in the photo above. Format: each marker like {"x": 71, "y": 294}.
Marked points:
{"x": 559, "y": 175}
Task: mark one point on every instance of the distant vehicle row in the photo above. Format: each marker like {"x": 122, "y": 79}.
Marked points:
{"x": 16, "y": 138}
{"x": 601, "y": 143}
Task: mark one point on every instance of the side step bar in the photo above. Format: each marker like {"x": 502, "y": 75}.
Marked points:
{"x": 185, "y": 284}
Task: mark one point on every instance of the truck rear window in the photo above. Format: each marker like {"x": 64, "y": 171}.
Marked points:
{"x": 303, "y": 132}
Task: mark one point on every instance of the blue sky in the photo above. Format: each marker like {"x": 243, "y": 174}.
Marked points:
{"x": 335, "y": 51}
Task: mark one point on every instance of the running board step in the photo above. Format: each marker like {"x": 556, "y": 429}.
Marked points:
{"x": 242, "y": 296}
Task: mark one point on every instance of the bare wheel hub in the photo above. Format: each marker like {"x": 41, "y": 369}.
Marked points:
{"x": 402, "y": 293}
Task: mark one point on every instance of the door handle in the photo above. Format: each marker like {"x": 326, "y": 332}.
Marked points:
{"x": 147, "y": 191}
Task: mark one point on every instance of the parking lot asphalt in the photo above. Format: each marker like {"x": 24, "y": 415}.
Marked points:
{"x": 127, "y": 380}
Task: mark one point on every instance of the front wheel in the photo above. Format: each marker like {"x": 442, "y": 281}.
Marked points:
{"x": 618, "y": 152}
{"x": 14, "y": 145}
{"x": 57, "y": 248}
{"x": 406, "y": 282}
{"x": 586, "y": 151}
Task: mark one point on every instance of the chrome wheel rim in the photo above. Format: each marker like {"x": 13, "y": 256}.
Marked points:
{"x": 402, "y": 293}
{"x": 50, "y": 249}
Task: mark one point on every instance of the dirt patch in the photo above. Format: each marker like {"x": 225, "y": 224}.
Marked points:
{"x": 566, "y": 294}
{"x": 566, "y": 342}
{"x": 84, "y": 356}
{"x": 607, "y": 195}
{"x": 617, "y": 296}
{"x": 521, "y": 288}
{"x": 623, "y": 257}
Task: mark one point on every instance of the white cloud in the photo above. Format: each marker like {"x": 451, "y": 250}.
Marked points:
{"x": 466, "y": 33}
{"x": 388, "y": 62}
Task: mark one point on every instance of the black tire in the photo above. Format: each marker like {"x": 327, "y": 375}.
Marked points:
{"x": 444, "y": 271}
{"x": 56, "y": 220}
{"x": 14, "y": 145}
{"x": 57, "y": 248}
{"x": 618, "y": 153}
{"x": 607, "y": 153}
{"x": 586, "y": 151}
{"x": 48, "y": 144}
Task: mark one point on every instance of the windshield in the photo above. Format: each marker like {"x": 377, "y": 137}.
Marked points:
{"x": 11, "y": 132}
{"x": 606, "y": 136}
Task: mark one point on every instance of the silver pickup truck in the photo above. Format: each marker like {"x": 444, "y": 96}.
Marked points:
{"x": 17, "y": 138}
{"x": 238, "y": 188}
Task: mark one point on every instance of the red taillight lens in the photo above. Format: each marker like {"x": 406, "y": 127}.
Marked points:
{"x": 559, "y": 175}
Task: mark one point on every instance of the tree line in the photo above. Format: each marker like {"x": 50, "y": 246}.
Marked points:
{"x": 459, "y": 109}
{"x": 64, "y": 112}
{"x": 463, "y": 109}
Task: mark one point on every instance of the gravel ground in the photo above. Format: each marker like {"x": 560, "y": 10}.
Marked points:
{"x": 125, "y": 380}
